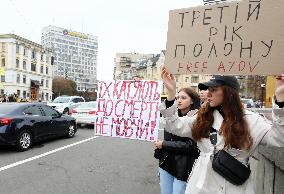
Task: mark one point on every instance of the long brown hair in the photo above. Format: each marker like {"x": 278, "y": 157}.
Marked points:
{"x": 194, "y": 97}
{"x": 234, "y": 128}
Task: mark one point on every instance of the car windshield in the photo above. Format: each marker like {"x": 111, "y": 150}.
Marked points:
{"x": 61, "y": 100}
{"x": 6, "y": 108}
{"x": 87, "y": 105}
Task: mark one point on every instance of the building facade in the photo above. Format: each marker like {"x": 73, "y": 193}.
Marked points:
{"x": 125, "y": 67}
{"x": 25, "y": 68}
{"x": 150, "y": 69}
{"x": 75, "y": 56}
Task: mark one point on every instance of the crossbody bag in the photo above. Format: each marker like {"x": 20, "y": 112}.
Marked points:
{"x": 227, "y": 165}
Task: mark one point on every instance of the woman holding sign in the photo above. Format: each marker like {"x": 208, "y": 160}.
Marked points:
{"x": 177, "y": 154}
{"x": 226, "y": 134}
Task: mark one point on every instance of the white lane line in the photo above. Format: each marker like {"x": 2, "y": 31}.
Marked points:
{"x": 44, "y": 154}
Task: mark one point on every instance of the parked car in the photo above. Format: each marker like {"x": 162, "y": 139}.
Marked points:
{"x": 248, "y": 102}
{"x": 62, "y": 103}
{"x": 21, "y": 124}
{"x": 85, "y": 112}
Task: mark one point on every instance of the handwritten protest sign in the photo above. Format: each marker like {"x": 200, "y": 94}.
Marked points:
{"x": 242, "y": 37}
{"x": 128, "y": 109}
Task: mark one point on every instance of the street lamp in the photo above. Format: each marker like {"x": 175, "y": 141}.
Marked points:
{"x": 262, "y": 95}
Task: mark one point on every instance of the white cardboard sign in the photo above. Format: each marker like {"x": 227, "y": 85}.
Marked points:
{"x": 243, "y": 37}
{"x": 128, "y": 109}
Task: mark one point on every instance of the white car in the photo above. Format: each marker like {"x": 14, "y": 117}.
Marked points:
{"x": 63, "y": 103}
{"x": 84, "y": 112}
{"x": 247, "y": 102}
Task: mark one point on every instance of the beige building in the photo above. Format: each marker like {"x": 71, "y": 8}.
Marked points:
{"x": 150, "y": 69}
{"x": 126, "y": 63}
{"x": 26, "y": 68}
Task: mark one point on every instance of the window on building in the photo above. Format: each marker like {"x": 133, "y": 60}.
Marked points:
{"x": 194, "y": 79}
{"x": 24, "y": 79}
{"x": 186, "y": 79}
{"x": 24, "y": 65}
{"x": 18, "y": 92}
{"x": 46, "y": 70}
{"x": 41, "y": 69}
{"x": 47, "y": 83}
{"x": 17, "y": 48}
{"x": 17, "y": 63}
{"x": 25, "y": 52}
{"x": 41, "y": 82}
{"x": 33, "y": 54}
{"x": 18, "y": 78}
{"x": 176, "y": 78}
{"x": 46, "y": 96}
{"x": 41, "y": 57}
{"x": 2, "y": 91}
{"x": 2, "y": 78}
{"x": 33, "y": 67}
{"x": 3, "y": 62}
{"x": 24, "y": 94}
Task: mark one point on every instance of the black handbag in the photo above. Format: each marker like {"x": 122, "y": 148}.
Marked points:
{"x": 228, "y": 166}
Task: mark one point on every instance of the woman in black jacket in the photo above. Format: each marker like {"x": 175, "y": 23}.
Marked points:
{"x": 177, "y": 154}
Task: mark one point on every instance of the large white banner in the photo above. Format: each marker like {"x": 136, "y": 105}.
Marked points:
{"x": 240, "y": 37}
{"x": 128, "y": 109}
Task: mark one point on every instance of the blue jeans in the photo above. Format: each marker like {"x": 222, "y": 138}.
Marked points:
{"x": 170, "y": 184}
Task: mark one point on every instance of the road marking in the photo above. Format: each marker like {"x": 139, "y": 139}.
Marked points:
{"x": 44, "y": 154}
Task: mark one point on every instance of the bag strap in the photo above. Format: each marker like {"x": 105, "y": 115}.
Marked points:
{"x": 213, "y": 139}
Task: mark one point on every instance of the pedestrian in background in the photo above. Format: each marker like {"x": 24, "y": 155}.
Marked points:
{"x": 223, "y": 126}
{"x": 203, "y": 95}
{"x": 177, "y": 154}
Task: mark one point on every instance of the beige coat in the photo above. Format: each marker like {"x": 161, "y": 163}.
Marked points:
{"x": 203, "y": 180}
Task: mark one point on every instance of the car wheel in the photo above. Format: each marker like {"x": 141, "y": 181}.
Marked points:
{"x": 24, "y": 141}
{"x": 71, "y": 131}
{"x": 65, "y": 111}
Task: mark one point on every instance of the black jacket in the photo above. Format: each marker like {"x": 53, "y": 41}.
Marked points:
{"x": 178, "y": 155}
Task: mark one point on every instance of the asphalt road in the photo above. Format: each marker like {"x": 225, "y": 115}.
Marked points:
{"x": 99, "y": 165}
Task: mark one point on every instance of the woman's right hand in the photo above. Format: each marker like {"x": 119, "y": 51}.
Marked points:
{"x": 159, "y": 144}
{"x": 170, "y": 84}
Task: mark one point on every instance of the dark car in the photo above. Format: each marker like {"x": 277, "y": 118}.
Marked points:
{"x": 21, "y": 124}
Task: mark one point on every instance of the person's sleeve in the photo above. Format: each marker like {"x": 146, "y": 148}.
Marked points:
{"x": 275, "y": 135}
{"x": 178, "y": 146}
{"x": 174, "y": 124}
{"x": 169, "y": 103}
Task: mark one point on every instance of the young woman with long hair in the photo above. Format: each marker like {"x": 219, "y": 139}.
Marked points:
{"x": 222, "y": 124}
{"x": 177, "y": 154}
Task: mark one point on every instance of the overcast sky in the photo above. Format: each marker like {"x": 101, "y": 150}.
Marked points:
{"x": 121, "y": 25}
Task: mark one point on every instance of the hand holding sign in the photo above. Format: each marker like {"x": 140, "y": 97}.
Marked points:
{"x": 170, "y": 83}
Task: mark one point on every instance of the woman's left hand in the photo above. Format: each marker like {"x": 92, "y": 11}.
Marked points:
{"x": 159, "y": 144}
{"x": 279, "y": 92}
